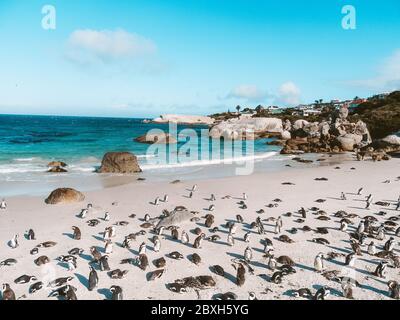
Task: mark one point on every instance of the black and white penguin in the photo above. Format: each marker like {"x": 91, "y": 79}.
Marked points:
{"x": 343, "y": 225}
{"x": 175, "y": 233}
{"x": 394, "y": 289}
{"x": 31, "y": 235}
{"x": 3, "y": 204}
{"x": 69, "y": 293}
{"x": 209, "y": 220}
{"x": 389, "y": 245}
{"x": 95, "y": 253}
{"x": 350, "y": 259}
{"x": 8, "y": 262}
{"x": 103, "y": 262}
{"x": 157, "y": 244}
{"x": 233, "y": 228}
{"x": 106, "y": 216}
{"x": 142, "y": 248}
{"x": 176, "y": 255}
{"x": 371, "y": 248}
{"x": 231, "y": 240}
{"x": 157, "y": 201}
{"x": 108, "y": 247}
{"x": 381, "y": 269}
{"x": 246, "y": 237}
{"x": 184, "y": 237}
{"x": 319, "y": 262}
{"x": 93, "y": 279}
{"x": 13, "y": 243}
{"x": 7, "y": 292}
{"x": 116, "y": 293}
{"x": 83, "y": 213}
{"x": 198, "y": 241}
{"x": 165, "y": 198}
{"x": 59, "y": 282}
{"x": 76, "y": 251}
{"x": 211, "y": 207}
{"x": 25, "y": 279}
{"x": 35, "y": 287}
{"x": 322, "y": 293}
{"x": 248, "y": 254}
{"x": 359, "y": 192}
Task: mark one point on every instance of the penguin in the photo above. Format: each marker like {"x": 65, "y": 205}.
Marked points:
{"x": 343, "y": 196}
{"x": 13, "y": 243}
{"x": 244, "y": 196}
{"x": 165, "y": 198}
{"x": 175, "y": 233}
{"x": 96, "y": 254}
{"x": 240, "y": 275}
{"x": 389, "y": 245}
{"x": 268, "y": 245}
{"x": 25, "y": 279}
{"x": 212, "y": 198}
{"x": 69, "y": 293}
{"x": 7, "y": 292}
{"x": 381, "y": 233}
{"x": 302, "y": 292}
{"x": 176, "y": 255}
{"x": 217, "y": 269}
{"x": 361, "y": 227}
{"x": 160, "y": 230}
{"x": 106, "y": 217}
{"x": 184, "y": 237}
{"x": 8, "y": 262}
{"x": 142, "y": 248}
{"x": 93, "y": 279}
{"x": 157, "y": 245}
{"x": 191, "y": 194}
{"x": 394, "y": 289}
{"x": 42, "y": 260}
{"x": 211, "y": 207}
{"x": 35, "y": 287}
{"x": 113, "y": 232}
{"x": 195, "y": 258}
{"x": 233, "y": 228}
{"x": 118, "y": 274}
{"x": 272, "y": 263}
{"x": 116, "y": 293}
{"x": 277, "y": 228}
{"x": 31, "y": 235}
{"x": 279, "y": 221}
{"x": 76, "y": 251}
{"x": 3, "y": 204}
{"x": 248, "y": 254}
{"x": 277, "y": 277}
{"x": 108, "y": 248}
{"x": 157, "y": 201}
{"x": 194, "y": 188}
{"x": 350, "y": 259}
{"x": 198, "y": 240}
{"x": 104, "y": 266}
{"x": 359, "y": 192}
{"x": 143, "y": 261}
{"x": 371, "y": 248}
{"x": 356, "y": 247}
{"x": 246, "y": 237}
{"x": 381, "y": 269}
{"x": 83, "y": 213}
{"x": 322, "y": 293}
{"x": 77, "y": 233}
{"x": 303, "y": 213}
{"x": 59, "y": 282}
{"x": 72, "y": 265}
{"x": 209, "y": 220}
{"x": 239, "y": 218}
{"x": 343, "y": 225}
{"x": 231, "y": 240}
{"x": 146, "y": 217}
{"x": 252, "y": 296}
{"x": 319, "y": 262}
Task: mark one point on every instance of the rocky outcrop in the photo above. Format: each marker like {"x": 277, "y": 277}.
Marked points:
{"x": 246, "y": 128}
{"x": 176, "y": 217}
{"x": 184, "y": 119}
{"x": 119, "y": 162}
{"x": 64, "y": 196}
{"x": 333, "y": 135}
{"x": 392, "y": 139}
{"x": 164, "y": 138}
{"x": 57, "y": 169}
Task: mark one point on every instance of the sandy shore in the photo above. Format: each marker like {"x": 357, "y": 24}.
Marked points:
{"x": 54, "y": 223}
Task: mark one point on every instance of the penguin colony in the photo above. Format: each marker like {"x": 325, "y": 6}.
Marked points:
{"x": 254, "y": 242}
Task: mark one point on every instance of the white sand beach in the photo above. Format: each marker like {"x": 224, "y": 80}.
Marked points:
{"x": 54, "y": 223}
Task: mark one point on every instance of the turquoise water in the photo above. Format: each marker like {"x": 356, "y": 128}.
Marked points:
{"x": 28, "y": 143}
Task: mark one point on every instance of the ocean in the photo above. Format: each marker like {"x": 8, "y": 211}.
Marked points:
{"x": 29, "y": 143}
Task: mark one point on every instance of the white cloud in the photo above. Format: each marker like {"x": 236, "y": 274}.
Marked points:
{"x": 89, "y": 46}
{"x": 248, "y": 92}
{"x": 289, "y": 94}
{"x": 387, "y": 76}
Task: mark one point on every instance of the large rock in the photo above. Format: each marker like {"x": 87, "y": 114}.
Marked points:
{"x": 57, "y": 170}
{"x": 347, "y": 144}
{"x": 57, "y": 164}
{"x": 163, "y": 138}
{"x": 286, "y": 135}
{"x": 65, "y": 195}
{"x": 119, "y": 162}
{"x": 392, "y": 139}
{"x": 246, "y": 128}
{"x": 184, "y": 119}
{"x": 299, "y": 124}
{"x": 179, "y": 215}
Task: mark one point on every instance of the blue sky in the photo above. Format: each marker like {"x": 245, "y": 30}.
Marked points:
{"x": 147, "y": 57}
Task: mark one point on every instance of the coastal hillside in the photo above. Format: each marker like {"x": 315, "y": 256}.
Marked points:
{"x": 381, "y": 116}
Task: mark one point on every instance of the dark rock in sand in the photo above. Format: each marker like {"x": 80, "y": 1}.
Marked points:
{"x": 57, "y": 170}
{"x": 65, "y": 195}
